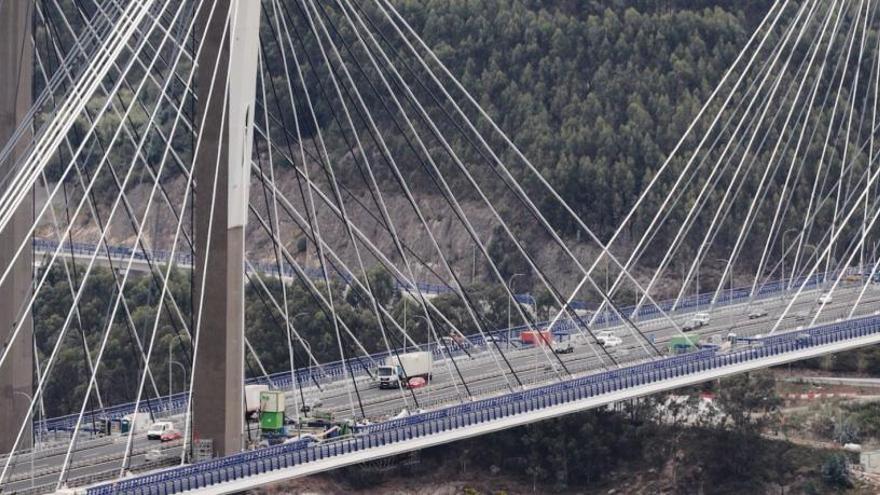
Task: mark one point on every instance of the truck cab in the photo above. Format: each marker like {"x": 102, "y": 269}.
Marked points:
{"x": 158, "y": 429}
{"x": 389, "y": 376}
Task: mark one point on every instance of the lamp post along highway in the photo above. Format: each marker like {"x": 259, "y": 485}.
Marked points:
{"x": 33, "y": 447}
{"x": 725, "y": 262}
{"x": 782, "y": 280}
{"x": 509, "y": 297}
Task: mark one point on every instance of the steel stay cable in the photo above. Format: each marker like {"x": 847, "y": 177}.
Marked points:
{"x": 48, "y": 142}
{"x": 706, "y": 191}
{"x": 800, "y": 170}
{"x": 746, "y": 227}
{"x": 852, "y": 110}
{"x": 805, "y": 234}
{"x": 779, "y": 215}
{"x": 376, "y": 193}
{"x": 523, "y": 157}
{"x": 446, "y": 191}
{"x": 872, "y": 178}
{"x": 55, "y": 253}
{"x": 56, "y": 347}
{"x": 277, "y": 307}
{"x": 828, "y": 136}
{"x": 342, "y": 267}
{"x": 120, "y": 295}
{"x": 92, "y": 203}
{"x": 531, "y": 167}
{"x": 277, "y": 228}
{"x": 375, "y": 251}
{"x": 27, "y": 121}
{"x": 149, "y": 167}
{"x": 95, "y": 214}
{"x": 324, "y": 161}
{"x": 713, "y": 180}
{"x": 441, "y": 185}
{"x": 67, "y": 232}
{"x": 303, "y": 151}
{"x": 382, "y": 222}
{"x": 508, "y": 180}
{"x": 311, "y": 211}
{"x": 373, "y": 185}
{"x": 853, "y": 252}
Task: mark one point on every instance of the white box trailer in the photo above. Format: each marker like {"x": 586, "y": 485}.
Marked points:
{"x": 252, "y": 397}
{"x": 399, "y": 369}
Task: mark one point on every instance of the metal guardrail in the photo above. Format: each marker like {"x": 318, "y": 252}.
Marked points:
{"x": 185, "y": 259}
{"x": 486, "y": 410}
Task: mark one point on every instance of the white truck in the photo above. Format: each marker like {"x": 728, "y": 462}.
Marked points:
{"x": 397, "y": 371}
{"x": 158, "y": 429}
{"x": 698, "y": 320}
{"x": 605, "y": 335}
{"x": 563, "y": 347}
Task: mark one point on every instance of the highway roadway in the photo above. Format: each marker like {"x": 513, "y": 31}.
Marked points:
{"x": 535, "y": 364}
{"x": 91, "y": 459}
{"x": 483, "y": 370}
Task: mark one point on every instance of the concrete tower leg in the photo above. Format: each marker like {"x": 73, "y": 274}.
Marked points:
{"x": 16, "y": 375}
{"x": 225, "y": 157}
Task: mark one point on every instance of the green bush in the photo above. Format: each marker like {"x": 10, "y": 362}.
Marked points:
{"x": 835, "y": 471}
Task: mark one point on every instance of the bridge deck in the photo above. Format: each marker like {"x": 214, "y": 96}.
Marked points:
{"x": 258, "y": 467}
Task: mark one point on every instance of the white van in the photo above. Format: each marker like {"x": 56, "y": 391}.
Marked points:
{"x": 159, "y": 427}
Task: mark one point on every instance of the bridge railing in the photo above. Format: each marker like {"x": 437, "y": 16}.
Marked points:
{"x": 185, "y": 259}
{"x": 483, "y": 411}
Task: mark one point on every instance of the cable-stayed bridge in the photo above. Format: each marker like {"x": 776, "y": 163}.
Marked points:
{"x": 295, "y": 193}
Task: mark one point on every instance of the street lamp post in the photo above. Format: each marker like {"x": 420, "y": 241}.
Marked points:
{"x": 427, "y": 331}
{"x": 305, "y": 346}
{"x": 782, "y": 246}
{"x": 509, "y": 297}
{"x": 730, "y": 294}
{"x": 815, "y": 254}
{"x": 36, "y": 442}
{"x": 404, "y": 322}
{"x": 170, "y": 360}
{"x": 182, "y": 368}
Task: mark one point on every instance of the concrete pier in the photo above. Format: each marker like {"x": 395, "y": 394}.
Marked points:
{"x": 222, "y": 179}
{"x": 16, "y": 78}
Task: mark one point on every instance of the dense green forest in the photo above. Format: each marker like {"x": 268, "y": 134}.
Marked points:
{"x": 597, "y": 95}
{"x": 594, "y": 93}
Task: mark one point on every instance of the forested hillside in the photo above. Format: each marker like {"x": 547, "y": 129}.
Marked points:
{"x": 595, "y": 93}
